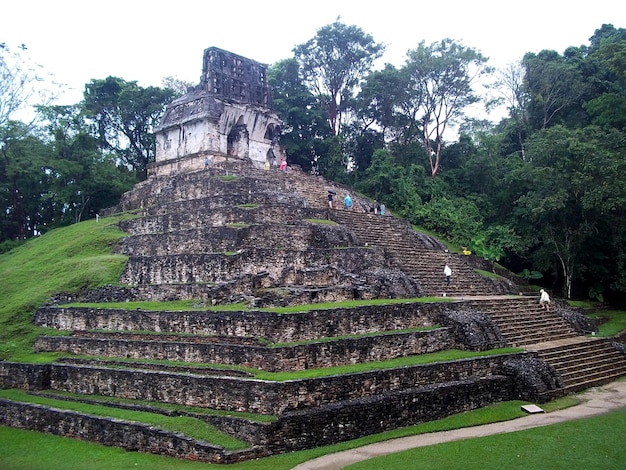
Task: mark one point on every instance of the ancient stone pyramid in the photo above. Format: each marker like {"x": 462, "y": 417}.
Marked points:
{"x": 237, "y": 240}
{"x": 236, "y": 234}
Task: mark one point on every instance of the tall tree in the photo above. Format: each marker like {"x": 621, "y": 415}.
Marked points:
{"x": 22, "y": 83}
{"x": 380, "y": 105}
{"x": 554, "y": 85}
{"x": 442, "y": 76}
{"x": 22, "y": 182}
{"x": 516, "y": 98}
{"x": 608, "y": 64}
{"x": 332, "y": 64}
{"x": 83, "y": 180}
{"x": 125, "y": 116}
{"x": 576, "y": 184}
{"x": 305, "y": 126}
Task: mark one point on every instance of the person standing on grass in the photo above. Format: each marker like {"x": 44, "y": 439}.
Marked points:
{"x": 448, "y": 273}
{"x": 544, "y": 300}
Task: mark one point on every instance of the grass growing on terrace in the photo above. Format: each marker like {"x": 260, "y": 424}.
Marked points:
{"x": 430, "y": 358}
{"x": 82, "y": 256}
{"x": 615, "y": 322}
{"x": 26, "y": 449}
{"x": 406, "y": 361}
{"x": 192, "y": 427}
{"x": 191, "y": 305}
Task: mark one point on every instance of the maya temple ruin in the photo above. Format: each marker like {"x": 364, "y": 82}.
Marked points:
{"x": 244, "y": 243}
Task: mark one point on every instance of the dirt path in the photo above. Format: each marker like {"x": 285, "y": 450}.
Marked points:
{"x": 596, "y": 401}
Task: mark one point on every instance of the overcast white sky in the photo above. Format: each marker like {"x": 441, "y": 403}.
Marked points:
{"x": 148, "y": 40}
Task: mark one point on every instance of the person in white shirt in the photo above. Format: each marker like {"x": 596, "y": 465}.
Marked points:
{"x": 544, "y": 300}
{"x": 448, "y": 273}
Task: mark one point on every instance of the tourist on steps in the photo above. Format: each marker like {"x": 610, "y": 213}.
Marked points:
{"x": 448, "y": 273}
{"x": 348, "y": 201}
{"x": 544, "y": 300}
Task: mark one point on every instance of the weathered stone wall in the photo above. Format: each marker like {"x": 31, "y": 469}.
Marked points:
{"x": 197, "y": 217}
{"x": 473, "y": 330}
{"x": 277, "y": 328}
{"x": 165, "y": 191}
{"x": 371, "y": 415}
{"x": 111, "y": 432}
{"x": 273, "y": 359}
{"x": 327, "y": 424}
{"x": 283, "y": 267}
{"x": 24, "y": 376}
{"x": 300, "y": 237}
{"x": 242, "y": 394}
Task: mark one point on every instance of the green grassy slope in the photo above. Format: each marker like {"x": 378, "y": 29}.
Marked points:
{"x": 63, "y": 260}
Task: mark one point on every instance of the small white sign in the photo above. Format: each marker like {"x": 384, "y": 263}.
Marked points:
{"x": 532, "y": 409}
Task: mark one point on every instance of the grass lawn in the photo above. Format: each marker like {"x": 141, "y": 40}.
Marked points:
{"x": 589, "y": 444}
{"x": 595, "y": 443}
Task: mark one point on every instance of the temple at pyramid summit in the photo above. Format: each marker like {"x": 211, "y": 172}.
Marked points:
{"x": 228, "y": 114}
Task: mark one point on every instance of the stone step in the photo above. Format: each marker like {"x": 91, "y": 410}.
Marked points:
{"x": 306, "y": 325}
{"x": 582, "y": 351}
{"x": 202, "y": 218}
{"x": 584, "y": 362}
{"x": 580, "y": 366}
{"x": 575, "y": 377}
{"x": 263, "y": 396}
{"x": 589, "y": 382}
{"x": 249, "y": 352}
{"x": 529, "y": 339}
{"x": 315, "y": 268}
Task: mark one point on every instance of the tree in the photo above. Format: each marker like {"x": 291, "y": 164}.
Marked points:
{"x": 608, "y": 62}
{"x": 332, "y": 64}
{"x": 515, "y": 95}
{"x": 82, "y": 179}
{"x": 20, "y": 83}
{"x": 179, "y": 87}
{"x": 392, "y": 184}
{"x": 441, "y": 77}
{"x": 22, "y": 183}
{"x": 305, "y": 126}
{"x": 494, "y": 242}
{"x": 125, "y": 116}
{"x": 553, "y": 84}
{"x": 575, "y": 187}
{"x": 379, "y": 102}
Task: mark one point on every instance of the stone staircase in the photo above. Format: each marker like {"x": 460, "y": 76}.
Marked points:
{"x": 421, "y": 256}
{"x": 583, "y": 362}
{"x": 523, "y": 322}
